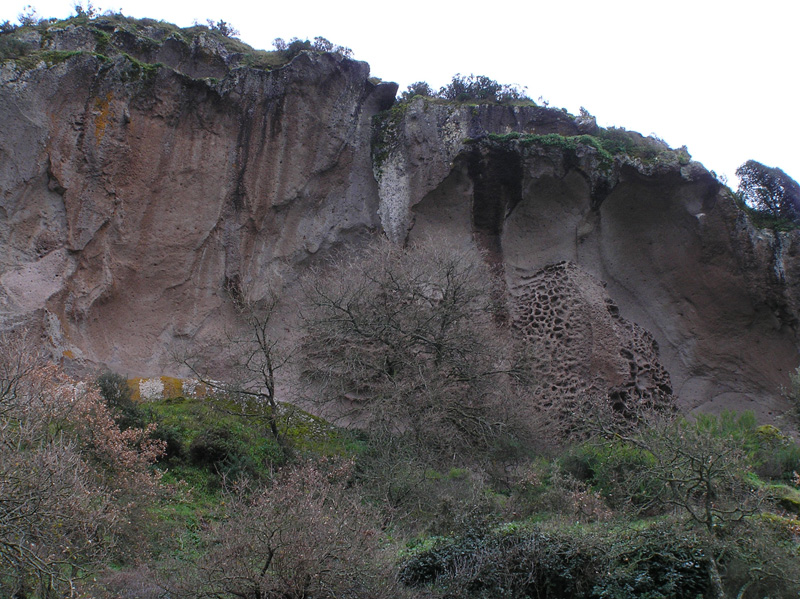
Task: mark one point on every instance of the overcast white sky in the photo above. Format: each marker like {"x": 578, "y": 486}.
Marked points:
{"x": 721, "y": 77}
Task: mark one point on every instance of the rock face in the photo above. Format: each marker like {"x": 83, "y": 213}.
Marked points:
{"x": 137, "y": 200}
{"x": 582, "y": 347}
{"x": 636, "y": 273}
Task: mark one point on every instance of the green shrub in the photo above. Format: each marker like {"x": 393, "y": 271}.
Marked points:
{"x": 11, "y": 47}
{"x": 777, "y": 456}
{"x": 477, "y": 88}
{"x": 118, "y": 396}
{"x": 233, "y": 451}
{"x": 220, "y": 451}
{"x": 516, "y": 564}
{"x": 223, "y": 28}
{"x": 320, "y": 45}
{"x": 772, "y": 454}
{"x": 418, "y": 88}
{"x": 660, "y": 562}
{"x": 173, "y": 440}
{"x": 608, "y": 467}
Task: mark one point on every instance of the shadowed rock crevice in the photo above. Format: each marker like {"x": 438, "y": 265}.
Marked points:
{"x": 496, "y": 177}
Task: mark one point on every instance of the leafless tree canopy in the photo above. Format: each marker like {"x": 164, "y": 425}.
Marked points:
{"x": 405, "y": 340}
{"x": 251, "y": 366}
{"x": 305, "y": 535}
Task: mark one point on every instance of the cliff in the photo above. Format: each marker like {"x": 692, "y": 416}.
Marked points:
{"x": 137, "y": 195}
{"x": 148, "y": 174}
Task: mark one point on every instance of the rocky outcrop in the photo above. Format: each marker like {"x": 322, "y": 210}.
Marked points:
{"x": 665, "y": 241}
{"x": 136, "y": 199}
{"x": 582, "y": 349}
{"x": 417, "y": 143}
{"x": 149, "y": 176}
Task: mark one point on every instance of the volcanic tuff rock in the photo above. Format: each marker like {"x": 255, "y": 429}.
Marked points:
{"x": 139, "y": 196}
{"x": 135, "y": 197}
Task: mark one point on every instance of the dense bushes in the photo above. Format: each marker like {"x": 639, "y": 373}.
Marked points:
{"x": 304, "y": 535}
{"x": 320, "y": 44}
{"x": 219, "y": 450}
{"x": 261, "y": 500}
{"x": 470, "y": 88}
{"x": 69, "y": 476}
{"x": 661, "y": 561}
{"x": 480, "y": 88}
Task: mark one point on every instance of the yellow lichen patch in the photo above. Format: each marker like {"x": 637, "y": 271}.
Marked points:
{"x": 173, "y": 387}
{"x": 68, "y": 353}
{"x": 197, "y": 389}
{"x": 103, "y": 108}
{"x": 134, "y": 385}
{"x": 166, "y": 387}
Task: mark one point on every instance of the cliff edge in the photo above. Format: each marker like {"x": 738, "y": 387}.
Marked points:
{"x": 149, "y": 174}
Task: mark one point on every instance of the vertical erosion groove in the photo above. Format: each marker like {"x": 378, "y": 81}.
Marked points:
{"x": 496, "y": 176}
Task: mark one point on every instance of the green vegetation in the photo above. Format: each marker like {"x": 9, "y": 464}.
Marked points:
{"x": 553, "y": 140}
{"x": 49, "y": 57}
{"x": 659, "y": 560}
{"x": 139, "y": 39}
{"x": 763, "y": 219}
{"x": 470, "y": 89}
{"x": 769, "y": 196}
{"x": 12, "y": 48}
{"x": 607, "y": 142}
{"x": 385, "y": 131}
{"x": 440, "y": 490}
{"x": 434, "y": 475}
{"x": 142, "y": 70}
{"x": 320, "y": 45}
{"x": 769, "y": 190}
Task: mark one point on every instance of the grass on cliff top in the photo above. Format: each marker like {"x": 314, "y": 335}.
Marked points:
{"x": 608, "y": 143}
{"x": 148, "y": 33}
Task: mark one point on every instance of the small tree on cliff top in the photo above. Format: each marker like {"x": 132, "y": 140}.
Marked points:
{"x": 769, "y": 190}
{"x": 480, "y": 88}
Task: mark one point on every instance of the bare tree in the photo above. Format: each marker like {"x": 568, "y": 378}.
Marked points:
{"x": 307, "y": 534}
{"x": 403, "y": 342}
{"x": 250, "y": 369}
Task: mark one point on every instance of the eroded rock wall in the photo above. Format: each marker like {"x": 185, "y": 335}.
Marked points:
{"x": 703, "y": 306}
{"x": 134, "y": 203}
{"x": 138, "y": 200}
{"x": 418, "y": 143}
